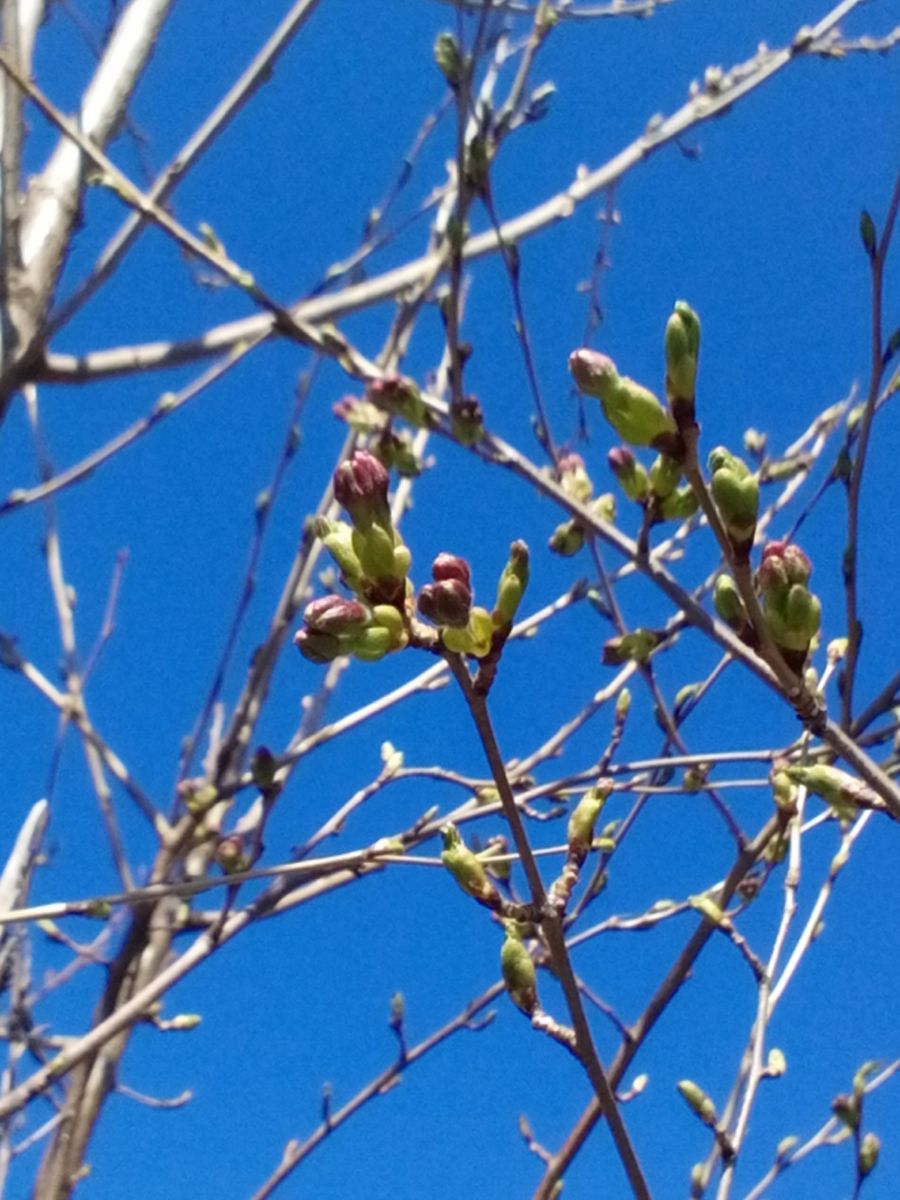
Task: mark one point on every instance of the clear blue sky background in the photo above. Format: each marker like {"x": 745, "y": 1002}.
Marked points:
{"x": 758, "y": 230}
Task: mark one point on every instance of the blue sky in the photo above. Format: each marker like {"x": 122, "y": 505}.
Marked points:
{"x": 754, "y": 221}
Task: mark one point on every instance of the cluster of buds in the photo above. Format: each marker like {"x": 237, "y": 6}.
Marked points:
{"x": 636, "y": 646}
{"x": 374, "y": 564}
{"x": 792, "y": 613}
{"x": 735, "y": 490}
{"x": 335, "y": 625}
{"x": 568, "y": 538}
{"x": 464, "y": 627}
{"x": 659, "y": 490}
{"x": 631, "y": 409}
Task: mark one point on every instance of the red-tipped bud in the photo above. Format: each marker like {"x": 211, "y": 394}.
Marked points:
{"x": 398, "y": 395}
{"x": 447, "y": 602}
{"x": 318, "y": 647}
{"x": 335, "y": 614}
{"x": 451, "y": 566}
{"x": 629, "y": 473}
{"x": 361, "y": 487}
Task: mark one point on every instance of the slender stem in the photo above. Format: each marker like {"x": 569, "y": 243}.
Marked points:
{"x": 551, "y": 926}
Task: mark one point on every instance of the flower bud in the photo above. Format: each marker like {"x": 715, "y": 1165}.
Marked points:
{"x": 318, "y": 647}
{"x": 604, "y": 507}
{"x": 869, "y": 1149}
{"x": 477, "y": 637}
{"x": 698, "y": 1101}
{"x": 837, "y": 788}
{"x": 680, "y": 505}
{"x": 360, "y": 415}
{"x": 567, "y": 539}
{"x": 361, "y": 488}
{"x": 632, "y": 410}
{"x": 580, "y": 832}
{"x": 665, "y": 474}
{"x": 517, "y": 968}
{"x": 466, "y": 869}
{"x": 374, "y": 547}
{"x": 395, "y": 451}
{"x": 574, "y": 478}
{"x": 728, "y": 602}
{"x": 230, "y": 855}
{"x": 629, "y": 473}
{"x": 336, "y": 615}
{"x": 636, "y": 646}
{"x": 447, "y": 602}
{"x": 846, "y": 1109}
{"x": 371, "y": 644}
{"x": 682, "y": 351}
{"x": 449, "y": 59}
{"x": 736, "y": 493}
{"x": 512, "y": 585}
{"x": 399, "y": 396}
{"x": 451, "y": 566}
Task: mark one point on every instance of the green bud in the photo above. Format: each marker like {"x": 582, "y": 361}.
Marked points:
{"x": 399, "y": 396}
{"x": 665, "y": 474}
{"x": 512, "y": 585}
{"x": 698, "y": 1101}
{"x": 682, "y": 351}
{"x": 623, "y": 704}
{"x": 337, "y": 538}
{"x": 580, "y": 833}
{"x": 604, "y": 507}
{"x": 467, "y": 422}
{"x": 386, "y": 616}
{"x": 630, "y": 474}
{"x": 574, "y": 478}
{"x": 449, "y": 59}
{"x": 466, "y": 869}
{"x": 517, "y": 968}
{"x": 846, "y": 1109}
{"x": 737, "y": 499}
{"x": 567, "y": 539}
{"x": 475, "y": 639}
{"x": 784, "y": 791}
{"x": 869, "y": 1149}
{"x": 867, "y": 233}
{"x": 680, "y": 505}
{"x": 374, "y": 547}
{"x": 838, "y": 789}
{"x": 631, "y": 409}
{"x": 636, "y": 646}
{"x": 371, "y": 644}
{"x": 728, "y": 602}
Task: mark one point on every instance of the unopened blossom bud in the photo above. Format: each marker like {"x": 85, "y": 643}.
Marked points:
{"x": 451, "y": 566}
{"x": 449, "y": 59}
{"x": 604, "y": 507}
{"x": 318, "y": 647}
{"x": 665, "y": 474}
{"x": 580, "y": 832}
{"x": 372, "y": 644}
{"x": 869, "y": 1149}
{"x": 846, "y": 1109}
{"x": 230, "y": 854}
{"x": 681, "y": 504}
{"x": 337, "y": 538}
{"x": 631, "y": 409}
{"x": 698, "y": 1101}
{"x": 682, "y": 351}
{"x": 567, "y": 539}
{"x": 636, "y": 646}
{"x": 395, "y": 451}
{"x": 359, "y": 414}
{"x": 574, "y": 478}
{"x": 518, "y": 970}
{"x": 837, "y": 788}
{"x": 728, "y": 602}
{"x": 736, "y": 493}
{"x": 512, "y": 585}
{"x": 783, "y": 564}
{"x": 466, "y": 869}
{"x": 335, "y": 614}
{"x": 447, "y": 602}
{"x": 399, "y": 396}
{"x": 630, "y": 474}
{"x": 361, "y": 488}
{"x": 467, "y": 421}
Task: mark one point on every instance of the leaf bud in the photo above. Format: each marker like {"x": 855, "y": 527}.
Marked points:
{"x": 337, "y": 538}
{"x": 467, "y": 421}
{"x": 449, "y": 59}
{"x": 728, "y": 602}
{"x": 736, "y": 493}
{"x": 698, "y": 1101}
{"x": 665, "y": 474}
{"x": 580, "y": 832}
{"x": 512, "y": 585}
{"x": 574, "y": 478}
{"x": 680, "y": 505}
{"x": 466, "y": 869}
{"x": 566, "y": 539}
{"x": 636, "y": 646}
{"x": 869, "y": 1149}
{"x": 518, "y": 970}
{"x": 682, "y": 351}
